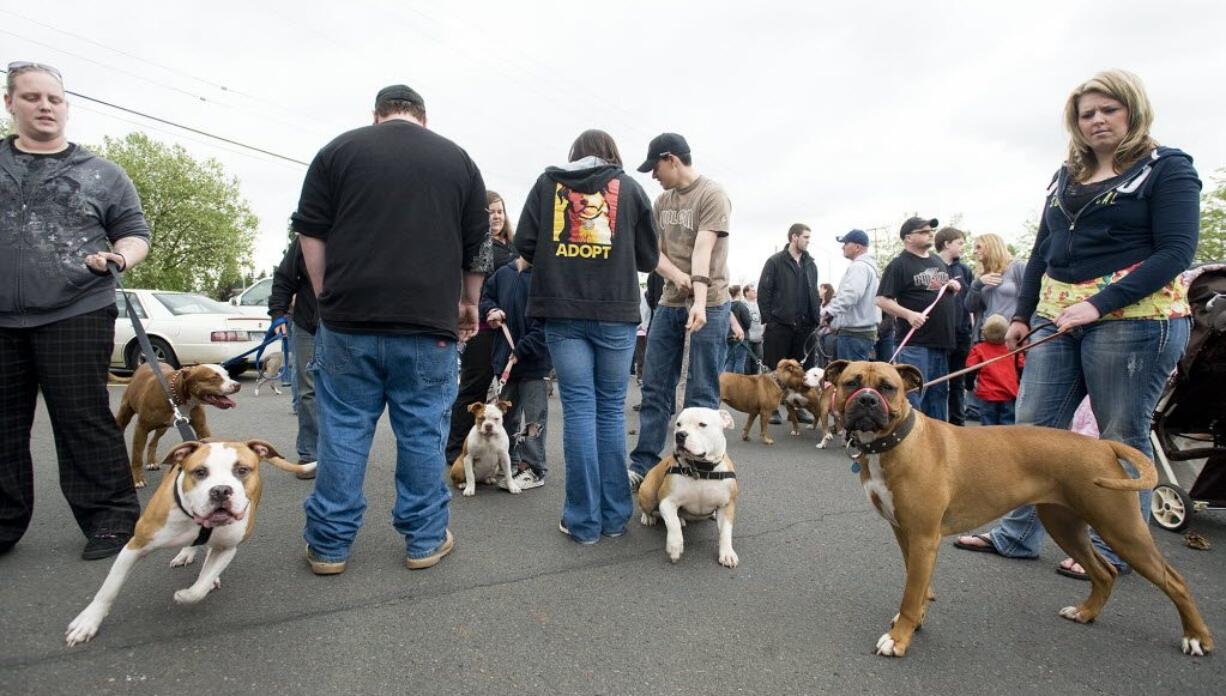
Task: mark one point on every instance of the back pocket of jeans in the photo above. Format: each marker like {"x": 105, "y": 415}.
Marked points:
{"x": 436, "y": 361}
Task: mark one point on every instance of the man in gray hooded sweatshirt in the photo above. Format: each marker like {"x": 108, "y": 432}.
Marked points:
{"x": 853, "y": 313}
{"x": 64, "y": 214}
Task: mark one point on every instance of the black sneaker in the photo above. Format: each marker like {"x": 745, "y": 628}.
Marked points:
{"x": 775, "y": 419}
{"x": 104, "y": 545}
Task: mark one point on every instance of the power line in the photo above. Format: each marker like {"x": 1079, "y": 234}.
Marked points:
{"x": 183, "y": 127}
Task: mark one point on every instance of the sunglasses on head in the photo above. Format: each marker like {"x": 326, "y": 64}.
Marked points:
{"x": 24, "y": 65}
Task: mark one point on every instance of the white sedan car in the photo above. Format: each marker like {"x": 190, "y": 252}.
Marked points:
{"x": 185, "y": 329}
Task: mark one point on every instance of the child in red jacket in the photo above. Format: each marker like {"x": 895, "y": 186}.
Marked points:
{"x": 996, "y": 384}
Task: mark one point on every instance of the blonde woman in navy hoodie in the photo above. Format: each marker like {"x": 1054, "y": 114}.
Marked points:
{"x": 587, "y": 230}
{"x": 1120, "y": 224}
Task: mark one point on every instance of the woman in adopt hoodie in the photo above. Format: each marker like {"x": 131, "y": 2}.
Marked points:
{"x": 587, "y": 230}
{"x": 1119, "y": 226}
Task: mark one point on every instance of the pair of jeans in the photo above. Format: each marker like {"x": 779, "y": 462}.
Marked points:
{"x": 302, "y": 353}
{"x": 885, "y": 348}
{"x": 788, "y": 341}
{"x": 1123, "y": 365}
{"x": 753, "y": 358}
{"x": 853, "y": 348}
{"x": 662, "y": 371}
{"x": 356, "y": 377}
{"x": 996, "y": 412}
{"x": 736, "y": 356}
{"x": 957, "y": 386}
{"x": 592, "y": 360}
{"x": 933, "y": 363}
{"x": 526, "y": 422}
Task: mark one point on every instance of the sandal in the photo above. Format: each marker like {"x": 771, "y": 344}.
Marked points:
{"x": 1068, "y": 565}
{"x": 986, "y": 547}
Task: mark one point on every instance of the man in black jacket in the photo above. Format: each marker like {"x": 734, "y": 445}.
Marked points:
{"x": 292, "y": 294}
{"x": 787, "y": 298}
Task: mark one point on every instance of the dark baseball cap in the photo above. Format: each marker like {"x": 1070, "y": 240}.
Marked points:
{"x": 916, "y": 223}
{"x": 661, "y": 145}
{"x": 399, "y": 93}
{"x": 855, "y": 237}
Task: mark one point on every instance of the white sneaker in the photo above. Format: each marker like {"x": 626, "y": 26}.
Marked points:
{"x": 636, "y": 479}
{"x": 528, "y": 479}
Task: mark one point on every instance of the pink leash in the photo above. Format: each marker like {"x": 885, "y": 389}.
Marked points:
{"x": 925, "y": 314}
{"x": 506, "y": 372}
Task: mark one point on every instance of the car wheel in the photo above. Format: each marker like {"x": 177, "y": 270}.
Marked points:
{"x": 237, "y": 370}
{"x": 161, "y": 349}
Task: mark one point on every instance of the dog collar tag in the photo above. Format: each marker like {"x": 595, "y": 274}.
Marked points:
{"x": 855, "y": 466}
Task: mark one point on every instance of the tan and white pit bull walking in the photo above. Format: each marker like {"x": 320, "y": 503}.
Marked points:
{"x": 209, "y": 498}
{"x": 930, "y": 479}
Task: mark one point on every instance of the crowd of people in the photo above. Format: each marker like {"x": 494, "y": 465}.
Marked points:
{"x": 559, "y": 293}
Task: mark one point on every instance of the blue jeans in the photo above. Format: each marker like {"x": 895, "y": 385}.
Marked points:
{"x": 933, "y": 362}
{"x": 592, "y": 359}
{"x": 996, "y": 412}
{"x": 527, "y": 421}
{"x": 853, "y": 348}
{"x": 662, "y": 371}
{"x": 737, "y": 355}
{"x": 885, "y": 348}
{"x": 356, "y": 377}
{"x": 1123, "y": 365}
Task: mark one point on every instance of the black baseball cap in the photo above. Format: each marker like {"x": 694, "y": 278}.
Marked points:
{"x": 399, "y": 93}
{"x": 915, "y": 223}
{"x": 661, "y": 145}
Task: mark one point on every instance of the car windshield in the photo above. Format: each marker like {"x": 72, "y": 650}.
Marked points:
{"x": 182, "y": 303}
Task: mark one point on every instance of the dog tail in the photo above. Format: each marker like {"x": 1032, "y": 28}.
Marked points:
{"x": 112, "y": 378}
{"x": 1144, "y": 467}
{"x": 285, "y": 465}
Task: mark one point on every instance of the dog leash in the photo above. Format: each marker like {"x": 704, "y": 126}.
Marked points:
{"x": 182, "y": 424}
{"x": 925, "y": 313}
{"x": 1021, "y": 348}
{"x": 502, "y": 379}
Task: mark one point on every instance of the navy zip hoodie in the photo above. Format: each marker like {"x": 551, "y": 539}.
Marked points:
{"x": 586, "y": 228}
{"x": 507, "y": 289}
{"x": 1152, "y": 217}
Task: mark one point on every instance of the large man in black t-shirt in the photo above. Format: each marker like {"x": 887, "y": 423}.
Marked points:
{"x": 395, "y": 237}
{"x": 909, "y": 285}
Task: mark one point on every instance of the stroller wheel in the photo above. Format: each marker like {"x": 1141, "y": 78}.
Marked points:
{"x": 1171, "y": 507}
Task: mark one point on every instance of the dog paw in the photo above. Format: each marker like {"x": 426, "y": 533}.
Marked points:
{"x": 185, "y": 557}
{"x": 744, "y": 438}
{"x": 190, "y": 595}
{"x": 1075, "y": 614}
{"x": 728, "y": 558}
{"x": 825, "y": 441}
{"x": 514, "y": 489}
{"x": 154, "y": 466}
{"x": 794, "y": 433}
{"x": 138, "y": 484}
{"x": 1194, "y": 647}
{"x": 85, "y": 626}
{"x": 470, "y": 491}
{"x": 674, "y": 549}
{"x": 767, "y": 441}
{"x": 889, "y": 648}
{"x": 647, "y": 520}
{"x": 217, "y": 583}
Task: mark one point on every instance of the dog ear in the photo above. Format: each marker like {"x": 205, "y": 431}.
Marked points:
{"x": 725, "y": 419}
{"x": 180, "y": 452}
{"x": 476, "y": 407}
{"x": 504, "y": 406}
{"x": 262, "y": 448}
{"x": 911, "y": 376}
{"x": 833, "y": 370}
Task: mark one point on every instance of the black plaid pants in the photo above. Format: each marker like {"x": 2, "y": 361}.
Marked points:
{"x": 68, "y": 361}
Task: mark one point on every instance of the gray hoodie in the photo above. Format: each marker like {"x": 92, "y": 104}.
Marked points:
{"x": 51, "y": 218}
{"x": 854, "y": 307}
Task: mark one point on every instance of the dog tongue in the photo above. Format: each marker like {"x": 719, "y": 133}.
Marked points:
{"x": 221, "y": 402}
{"x": 217, "y": 517}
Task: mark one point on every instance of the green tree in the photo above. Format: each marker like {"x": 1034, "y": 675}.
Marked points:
{"x": 5, "y": 128}
{"x": 1212, "y": 245}
{"x": 203, "y": 230}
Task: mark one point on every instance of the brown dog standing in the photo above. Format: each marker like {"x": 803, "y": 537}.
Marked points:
{"x": 760, "y": 395}
{"x": 930, "y": 479}
{"x": 192, "y": 388}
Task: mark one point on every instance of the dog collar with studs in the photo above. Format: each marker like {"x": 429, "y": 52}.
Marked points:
{"x": 171, "y": 381}
{"x": 856, "y": 449}
{"x": 698, "y": 469}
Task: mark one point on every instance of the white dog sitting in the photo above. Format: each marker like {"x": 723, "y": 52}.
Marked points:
{"x": 486, "y": 448}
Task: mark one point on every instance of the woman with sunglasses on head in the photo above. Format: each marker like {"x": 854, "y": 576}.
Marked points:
{"x": 1120, "y": 224}
{"x": 998, "y": 280}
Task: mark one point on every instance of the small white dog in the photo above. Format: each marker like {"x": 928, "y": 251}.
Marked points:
{"x": 486, "y": 448}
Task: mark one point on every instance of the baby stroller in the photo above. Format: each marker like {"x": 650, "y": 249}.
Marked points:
{"x": 1193, "y": 408}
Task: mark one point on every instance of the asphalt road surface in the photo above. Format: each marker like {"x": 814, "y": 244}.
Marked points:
{"x": 519, "y": 608}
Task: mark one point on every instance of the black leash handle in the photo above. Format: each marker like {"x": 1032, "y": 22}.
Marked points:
{"x": 181, "y": 422}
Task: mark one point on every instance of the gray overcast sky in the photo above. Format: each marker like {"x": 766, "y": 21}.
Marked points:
{"x": 833, "y": 115}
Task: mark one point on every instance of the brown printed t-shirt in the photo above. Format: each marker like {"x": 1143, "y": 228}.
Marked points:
{"x": 680, "y": 214}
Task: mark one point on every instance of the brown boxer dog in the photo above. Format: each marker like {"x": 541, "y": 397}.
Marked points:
{"x": 930, "y": 479}
{"x": 760, "y": 395}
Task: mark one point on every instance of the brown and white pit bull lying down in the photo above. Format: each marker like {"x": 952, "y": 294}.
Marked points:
{"x": 695, "y": 482}
{"x": 193, "y": 387}
{"x": 486, "y": 449}
{"x": 209, "y": 498}
{"x": 760, "y": 395}
{"x": 930, "y": 479}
